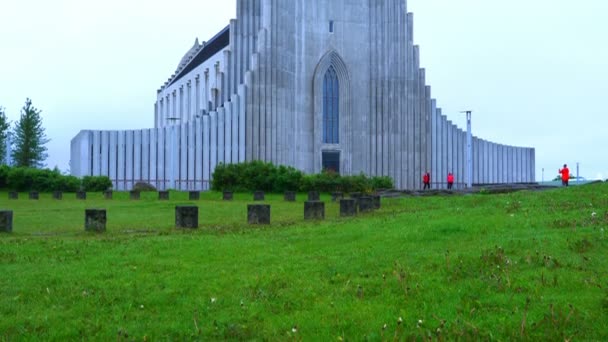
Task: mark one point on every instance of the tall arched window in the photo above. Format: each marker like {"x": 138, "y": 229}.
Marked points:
{"x": 331, "y": 108}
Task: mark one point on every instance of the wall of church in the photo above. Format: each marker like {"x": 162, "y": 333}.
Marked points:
{"x": 198, "y": 92}
{"x": 179, "y": 157}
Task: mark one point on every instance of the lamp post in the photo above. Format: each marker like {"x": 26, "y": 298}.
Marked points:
{"x": 469, "y": 152}
{"x": 543, "y": 175}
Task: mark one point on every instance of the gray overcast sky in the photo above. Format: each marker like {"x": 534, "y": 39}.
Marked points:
{"x": 534, "y": 72}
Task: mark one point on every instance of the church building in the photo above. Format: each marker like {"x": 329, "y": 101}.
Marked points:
{"x": 313, "y": 84}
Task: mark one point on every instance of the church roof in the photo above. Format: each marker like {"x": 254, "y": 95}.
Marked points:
{"x": 199, "y": 53}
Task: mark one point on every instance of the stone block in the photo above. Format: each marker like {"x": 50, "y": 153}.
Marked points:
{"x": 194, "y": 195}
{"x": 258, "y": 196}
{"x": 289, "y": 196}
{"x": 6, "y": 221}
{"x": 95, "y": 220}
{"x": 377, "y": 201}
{"x": 108, "y": 194}
{"x": 314, "y": 196}
{"x": 356, "y": 195}
{"x": 228, "y": 195}
{"x": 258, "y": 214}
{"x": 34, "y": 195}
{"x": 314, "y": 210}
{"x": 186, "y": 216}
{"x": 135, "y": 195}
{"x": 13, "y": 195}
{"x": 163, "y": 195}
{"x": 58, "y": 195}
{"x": 365, "y": 204}
{"x": 81, "y": 195}
{"x": 348, "y": 207}
{"x": 336, "y": 196}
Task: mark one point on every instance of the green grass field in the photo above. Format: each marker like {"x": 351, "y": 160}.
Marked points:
{"x": 526, "y": 266}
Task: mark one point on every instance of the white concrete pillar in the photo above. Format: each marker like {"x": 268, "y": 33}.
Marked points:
{"x": 113, "y": 149}
{"x": 213, "y": 142}
{"x": 153, "y": 155}
{"x": 137, "y": 158}
{"x": 191, "y": 141}
{"x": 198, "y": 153}
{"x": 206, "y": 148}
{"x": 221, "y": 117}
{"x": 182, "y": 168}
{"x": 161, "y": 161}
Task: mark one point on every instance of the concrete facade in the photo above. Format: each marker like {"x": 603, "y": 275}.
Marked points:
{"x": 256, "y": 91}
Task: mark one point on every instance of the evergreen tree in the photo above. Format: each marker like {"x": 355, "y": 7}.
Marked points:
{"x": 4, "y": 126}
{"x": 29, "y": 138}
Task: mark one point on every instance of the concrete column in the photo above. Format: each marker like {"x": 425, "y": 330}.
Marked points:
{"x": 112, "y": 153}
{"x": 129, "y": 160}
{"x": 235, "y": 129}
{"x": 228, "y": 133}
{"x": 206, "y": 148}
{"x": 242, "y": 123}
{"x": 191, "y": 141}
{"x": 121, "y": 161}
{"x": 221, "y": 117}
{"x": 213, "y": 123}
{"x": 161, "y": 161}
{"x": 182, "y": 153}
{"x": 137, "y": 155}
{"x": 153, "y": 158}
{"x": 198, "y": 152}
{"x": 104, "y": 155}
{"x": 145, "y": 155}
{"x": 96, "y": 153}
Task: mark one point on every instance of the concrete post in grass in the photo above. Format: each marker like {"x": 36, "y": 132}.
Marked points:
{"x": 314, "y": 196}
{"x": 289, "y": 196}
{"x": 57, "y": 195}
{"x": 336, "y": 196}
{"x": 95, "y": 220}
{"x": 348, "y": 207}
{"x": 228, "y": 195}
{"x": 6, "y": 221}
{"x": 13, "y": 195}
{"x": 135, "y": 195}
{"x": 314, "y": 210}
{"x": 377, "y": 201}
{"x": 81, "y": 195}
{"x": 365, "y": 204}
{"x": 258, "y": 214}
{"x": 163, "y": 195}
{"x": 34, "y": 195}
{"x": 258, "y": 196}
{"x": 194, "y": 195}
{"x": 108, "y": 194}
{"x": 186, "y": 217}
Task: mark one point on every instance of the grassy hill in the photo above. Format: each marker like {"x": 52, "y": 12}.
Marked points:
{"x": 530, "y": 265}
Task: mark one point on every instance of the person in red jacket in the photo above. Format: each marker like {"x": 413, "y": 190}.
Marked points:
{"x": 565, "y": 175}
{"x": 450, "y": 181}
{"x": 426, "y": 179}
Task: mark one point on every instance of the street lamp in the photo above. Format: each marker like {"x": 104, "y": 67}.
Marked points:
{"x": 469, "y": 152}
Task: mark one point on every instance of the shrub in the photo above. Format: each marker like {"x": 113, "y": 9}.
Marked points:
{"x": 4, "y": 169}
{"x": 96, "y": 183}
{"x": 143, "y": 187}
{"x": 257, "y": 175}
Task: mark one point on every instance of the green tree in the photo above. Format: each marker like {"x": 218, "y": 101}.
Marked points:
{"x": 29, "y": 138}
{"x": 4, "y": 126}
